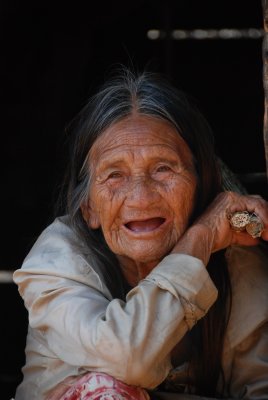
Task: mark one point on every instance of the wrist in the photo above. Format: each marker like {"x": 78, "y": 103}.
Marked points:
{"x": 197, "y": 242}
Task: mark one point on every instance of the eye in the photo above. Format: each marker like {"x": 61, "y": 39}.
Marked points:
{"x": 163, "y": 168}
{"x": 115, "y": 175}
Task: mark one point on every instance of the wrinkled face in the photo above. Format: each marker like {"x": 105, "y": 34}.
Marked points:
{"x": 142, "y": 189}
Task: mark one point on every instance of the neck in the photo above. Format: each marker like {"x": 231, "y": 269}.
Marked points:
{"x": 135, "y": 271}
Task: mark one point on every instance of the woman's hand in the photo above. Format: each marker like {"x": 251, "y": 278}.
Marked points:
{"x": 216, "y": 219}
{"x": 212, "y": 231}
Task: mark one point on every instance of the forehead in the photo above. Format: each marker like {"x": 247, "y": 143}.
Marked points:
{"x": 137, "y": 132}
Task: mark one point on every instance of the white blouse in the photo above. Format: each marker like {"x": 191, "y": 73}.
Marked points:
{"x": 75, "y": 325}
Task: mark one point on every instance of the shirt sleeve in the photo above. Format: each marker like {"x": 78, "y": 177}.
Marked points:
{"x": 129, "y": 340}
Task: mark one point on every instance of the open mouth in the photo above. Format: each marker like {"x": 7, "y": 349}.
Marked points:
{"x": 146, "y": 225}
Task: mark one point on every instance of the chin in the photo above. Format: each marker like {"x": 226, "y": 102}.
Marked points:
{"x": 143, "y": 251}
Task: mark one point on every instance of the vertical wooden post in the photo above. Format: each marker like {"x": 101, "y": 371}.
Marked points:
{"x": 265, "y": 80}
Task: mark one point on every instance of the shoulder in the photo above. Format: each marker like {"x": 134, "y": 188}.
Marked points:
{"x": 56, "y": 243}
{"x": 58, "y": 252}
{"x": 57, "y": 236}
{"x": 248, "y": 268}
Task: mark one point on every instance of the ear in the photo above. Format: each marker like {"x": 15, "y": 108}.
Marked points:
{"x": 90, "y": 215}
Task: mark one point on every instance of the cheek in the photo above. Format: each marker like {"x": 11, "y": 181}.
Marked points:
{"x": 106, "y": 203}
{"x": 183, "y": 195}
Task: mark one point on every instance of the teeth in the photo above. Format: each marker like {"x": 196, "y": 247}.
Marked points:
{"x": 147, "y": 225}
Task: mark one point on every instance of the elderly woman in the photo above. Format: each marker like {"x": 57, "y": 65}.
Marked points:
{"x": 154, "y": 283}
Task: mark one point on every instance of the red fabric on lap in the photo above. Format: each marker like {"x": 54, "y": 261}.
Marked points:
{"x": 98, "y": 386}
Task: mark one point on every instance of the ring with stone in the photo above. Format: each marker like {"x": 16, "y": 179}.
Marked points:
{"x": 243, "y": 220}
{"x": 239, "y": 220}
{"x": 255, "y": 226}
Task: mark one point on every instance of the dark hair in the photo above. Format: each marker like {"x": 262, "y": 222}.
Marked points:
{"x": 150, "y": 94}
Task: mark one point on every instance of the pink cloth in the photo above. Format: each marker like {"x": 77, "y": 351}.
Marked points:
{"x": 98, "y": 386}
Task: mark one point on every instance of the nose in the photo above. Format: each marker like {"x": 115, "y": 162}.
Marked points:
{"x": 142, "y": 193}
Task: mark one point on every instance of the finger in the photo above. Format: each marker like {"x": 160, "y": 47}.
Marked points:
{"x": 243, "y": 238}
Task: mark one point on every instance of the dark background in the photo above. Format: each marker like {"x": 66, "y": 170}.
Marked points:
{"x": 53, "y": 58}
